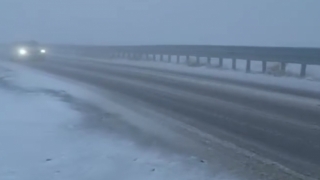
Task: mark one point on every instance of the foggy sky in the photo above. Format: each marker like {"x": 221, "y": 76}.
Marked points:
{"x": 124, "y": 22}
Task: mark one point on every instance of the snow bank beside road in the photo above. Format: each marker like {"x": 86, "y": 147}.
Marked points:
{"x": 43, "y": 137}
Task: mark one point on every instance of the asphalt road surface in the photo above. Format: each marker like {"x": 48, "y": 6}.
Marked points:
{"x": 282, "y": 126}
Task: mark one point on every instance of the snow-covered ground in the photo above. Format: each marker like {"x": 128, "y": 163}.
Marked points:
{"x": 289, "y": 79}
{"x": 44, "y": 135}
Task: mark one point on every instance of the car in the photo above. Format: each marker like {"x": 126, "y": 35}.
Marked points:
{"x": 27, "y": 51}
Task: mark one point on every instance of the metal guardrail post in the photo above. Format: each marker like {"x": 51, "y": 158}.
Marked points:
{"x": 264, "y": 66}
{"x": 220, "y": 62}
{"x": 169, "y": 58}
{"x": 188, "y": 59}
{"x": 178, "y": 59}
{"x": 303, "y": 70}
{"x": 283, "y": 66}
{"x": 248, "y": 69}
{"x": 154, "y": 57}
{"x": 234, "y": 64}
{"x": 208, "y": 60}
{"x": 198, "y": 60}
{"x": 147, "y": 56}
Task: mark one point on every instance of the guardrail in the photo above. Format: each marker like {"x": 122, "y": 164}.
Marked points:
{"x": 283, "y": 55}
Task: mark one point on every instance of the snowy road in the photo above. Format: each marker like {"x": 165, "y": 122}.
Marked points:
{"x": 278, "y": 128}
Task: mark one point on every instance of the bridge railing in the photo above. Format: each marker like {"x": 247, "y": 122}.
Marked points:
{"x": 283, "y": 55}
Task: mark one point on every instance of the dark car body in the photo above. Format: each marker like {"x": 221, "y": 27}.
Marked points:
{"x": 30, "y": 50}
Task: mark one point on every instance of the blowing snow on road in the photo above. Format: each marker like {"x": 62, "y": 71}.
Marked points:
{"x": 159, "y": 90}
{"x": 70, "y": 119}
{"x": 49, "y": 131}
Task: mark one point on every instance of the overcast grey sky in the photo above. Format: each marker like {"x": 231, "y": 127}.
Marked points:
{"x": 218, "y": 22}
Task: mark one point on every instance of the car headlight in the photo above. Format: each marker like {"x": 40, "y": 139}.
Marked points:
{"x": 43, "y": 51}
{"x": 22, "y": 51}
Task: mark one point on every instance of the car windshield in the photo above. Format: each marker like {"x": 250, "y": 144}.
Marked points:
{"x": 159, "y": 89}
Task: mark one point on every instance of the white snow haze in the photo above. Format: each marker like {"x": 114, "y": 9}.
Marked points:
{"x": 132, "y": 22}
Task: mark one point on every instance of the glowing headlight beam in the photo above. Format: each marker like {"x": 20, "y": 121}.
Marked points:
{"x": 22, "y": 51}
{"x": 43, "y": 51}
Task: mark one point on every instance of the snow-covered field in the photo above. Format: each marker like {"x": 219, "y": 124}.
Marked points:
{"x": 44, "y": 136}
